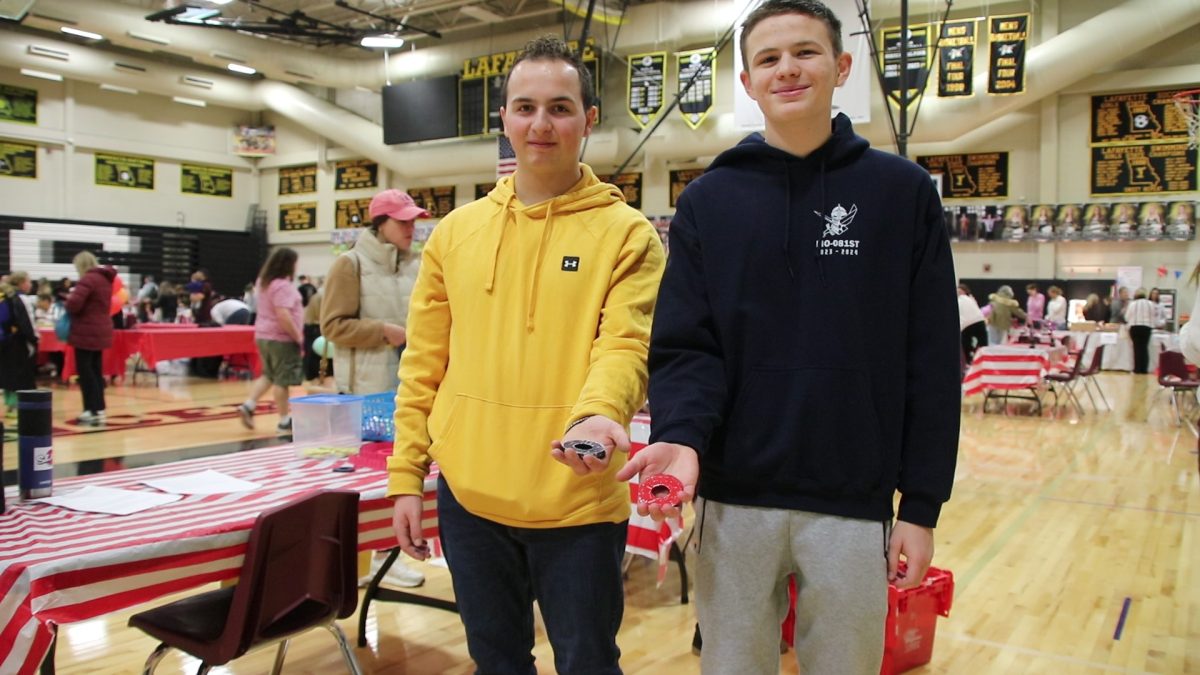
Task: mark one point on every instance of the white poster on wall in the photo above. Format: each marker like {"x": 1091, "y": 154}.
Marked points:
{"x": 852, "y": 98}
{"x": 1129, "y": 277}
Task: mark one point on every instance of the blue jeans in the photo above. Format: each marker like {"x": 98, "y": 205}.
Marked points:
{"x": 574, "y": 573}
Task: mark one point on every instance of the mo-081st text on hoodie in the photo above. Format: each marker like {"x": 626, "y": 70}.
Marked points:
{"x": 806, "y": 339}
{"x": 523, "y": 319}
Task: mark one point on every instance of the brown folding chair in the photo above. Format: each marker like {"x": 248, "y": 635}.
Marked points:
{"x": 299, "y": 572}
{"x": 1088, "y": 377}
{"x": 1069, "y": 379}
{"x": 1173, "y": 376}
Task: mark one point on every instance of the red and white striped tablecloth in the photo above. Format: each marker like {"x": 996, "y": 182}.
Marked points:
{"x": 646, "y": 537}
{"x": 59, "y": 566}
{"x": 1010, "y": 367}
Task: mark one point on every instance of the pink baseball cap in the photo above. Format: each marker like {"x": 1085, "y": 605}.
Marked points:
{"x": 396, "y": 204}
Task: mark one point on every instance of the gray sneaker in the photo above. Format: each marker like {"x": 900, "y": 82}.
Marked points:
{"x": 284, "y": 428}
{"x": 247, "y": 416}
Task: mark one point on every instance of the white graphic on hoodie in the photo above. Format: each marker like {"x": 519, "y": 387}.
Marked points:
{"x": 837, "y": 223}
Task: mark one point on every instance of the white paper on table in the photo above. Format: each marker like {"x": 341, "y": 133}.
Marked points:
{"x": 96, "y": 499}
{"x": 201, "y": 483}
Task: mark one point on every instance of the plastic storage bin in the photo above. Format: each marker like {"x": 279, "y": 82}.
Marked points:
{"x": 378, "y": 416}
{"x": 327, "y": 422}
{"x": 912, "y": 621}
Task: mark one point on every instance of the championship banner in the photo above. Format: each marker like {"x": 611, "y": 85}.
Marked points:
{"x": 1145, "y": 168}
{"x": 18, "y": 104}
{"x": 919, "y": 57}
{"x": 1137, "y": 117}
{"x": 956, "y": 58}
{"x": 482, "y": 189}
{"x": 298, "y": 180}
{"x": 349, "y": 213}
{"x": 697, "y": 67}
{"x": 125, "y": 171}
{"x": 1007, "y": 36}
{"x": 630, "y": 185}
{"x": 679, "y": 180}
{"x": 969, "y": 176}
{"x": 212, "y": 181}
{"x": 18, "y": 160}
{"x": 355, "y": 174}
{"x": 296, "y": 217}
{"x": 438, "y": 201}
{"x": 644, "y": 86}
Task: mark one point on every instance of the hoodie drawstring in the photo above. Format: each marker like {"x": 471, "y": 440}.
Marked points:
{"x": 491, "y": 279}
{"x": 537, "y": 268}
{"x": 820, "y": 223}
{"x": 787, "y": 223}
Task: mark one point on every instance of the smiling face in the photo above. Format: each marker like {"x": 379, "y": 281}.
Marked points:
{"x": 544, "y": 116}
{"x": 793, "y": 69}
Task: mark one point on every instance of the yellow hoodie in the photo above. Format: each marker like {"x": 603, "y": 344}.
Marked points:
{"x": 524, "y": 319}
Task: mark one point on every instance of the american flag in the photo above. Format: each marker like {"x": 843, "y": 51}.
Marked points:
{"x": 506, "y": 159}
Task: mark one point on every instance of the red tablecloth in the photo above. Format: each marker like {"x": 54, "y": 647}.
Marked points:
{"x": 162, "y": 344}
{"x": 60, "y": 566}
{"x": 1010, "y": 367}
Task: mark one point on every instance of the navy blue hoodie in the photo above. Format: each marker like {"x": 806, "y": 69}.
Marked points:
{"x": 805, "y": 339}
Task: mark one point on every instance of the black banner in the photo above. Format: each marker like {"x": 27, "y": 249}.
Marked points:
{"x": 438, "y": 201}
{"x": 679, "y": 180}
{"x": 1007, "y": 36}
{"x": 1137, "y": 117}
{"x": 698, "y": 101}
{"x": 299, "y": 216}
{"x": 630, "y": 185}
{"x": 298, "y": 180}
{"x": 1146, "y": 168}
{"x": 645, "y": 86}
{"x": 214, "y": 181}
{"x": 969, "y": 176}
{"x": 18, "y": 104}
{"x": 125, "y": 171}
{"x": 18, "y": 160}
{"x": 917, "y": 69}
{"x": 355, "y": 174}
{"x": 351, "y": 213}
{"x": 956, "y": 59}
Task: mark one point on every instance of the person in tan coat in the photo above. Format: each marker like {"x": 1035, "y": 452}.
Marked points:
{"x": 363, "y": 312}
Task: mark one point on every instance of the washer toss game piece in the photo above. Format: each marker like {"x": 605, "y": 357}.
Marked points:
{"x": 662, "y": 489}
{"x": 583, "y": 447}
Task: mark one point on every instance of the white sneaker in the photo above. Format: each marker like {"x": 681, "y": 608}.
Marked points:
{"x": 399, "y": 574}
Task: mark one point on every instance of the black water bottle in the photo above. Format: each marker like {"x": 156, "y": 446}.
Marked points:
{"x": 35, "y": 452}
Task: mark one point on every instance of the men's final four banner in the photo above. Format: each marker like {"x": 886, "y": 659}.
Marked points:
{"x": 918, "y": 58}
{"x": 1007, "y": 37}
{"x": 956, "y": 58}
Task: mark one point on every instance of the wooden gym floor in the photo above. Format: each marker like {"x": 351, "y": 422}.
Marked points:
{"x": 1056, "y": 525}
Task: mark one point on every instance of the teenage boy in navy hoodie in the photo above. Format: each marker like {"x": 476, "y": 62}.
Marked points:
{"x": 804, "y": 366}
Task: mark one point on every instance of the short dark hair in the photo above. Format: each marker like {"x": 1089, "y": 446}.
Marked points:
{"x": 551, "y": 48}
{"x": 770, "y": 8}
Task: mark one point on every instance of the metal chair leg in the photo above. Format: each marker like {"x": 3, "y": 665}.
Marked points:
{"x": 155, "y": 656}
{"x": 1175, "y": 406}
{"x": 280, "y": 655}
{"x": 1100, "y": 390}
{"x": 344, "y": 645}
{"x": 203, "y": 669}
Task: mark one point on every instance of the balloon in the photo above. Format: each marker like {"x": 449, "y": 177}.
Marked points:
{"x": 323, "y": 347}
{"x": 120, "y": 295}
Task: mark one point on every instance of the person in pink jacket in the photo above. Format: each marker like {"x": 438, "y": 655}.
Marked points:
{"x": 1035, "y": 306}
{"x": 91, "y": 332}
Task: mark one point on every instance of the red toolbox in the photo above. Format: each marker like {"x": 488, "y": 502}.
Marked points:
{"x": 912, "y": 621}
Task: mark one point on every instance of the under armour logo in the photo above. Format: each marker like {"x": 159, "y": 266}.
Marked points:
{"x": 570, "y": 263}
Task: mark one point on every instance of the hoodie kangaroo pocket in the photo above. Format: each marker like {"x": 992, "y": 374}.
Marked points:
{"x": 496, "y": 457}
{"x": 812, "y": 430}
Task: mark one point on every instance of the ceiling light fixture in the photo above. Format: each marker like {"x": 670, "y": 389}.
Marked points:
{"x": 384, "y": 41}
{"x": 118, "y": 88}
{"x": 41, "y": 75}
{"x": 81, "y": 33}
{"x": 49, "y": 52}
{"x": 189, "y": 101}
{"x": 147, "y": 38}
{"x": 239, "y": 68}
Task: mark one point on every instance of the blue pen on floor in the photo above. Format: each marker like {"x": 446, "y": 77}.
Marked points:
{"x": 1121, "y": 621}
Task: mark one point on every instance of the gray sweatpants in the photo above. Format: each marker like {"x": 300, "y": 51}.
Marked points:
{"x": 745, "y": 556}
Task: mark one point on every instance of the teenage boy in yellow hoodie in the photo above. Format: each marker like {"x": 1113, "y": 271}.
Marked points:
{"x": 529, "y": 325}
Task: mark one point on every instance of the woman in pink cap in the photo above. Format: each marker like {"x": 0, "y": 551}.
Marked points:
{"x": 365, "y": 308}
